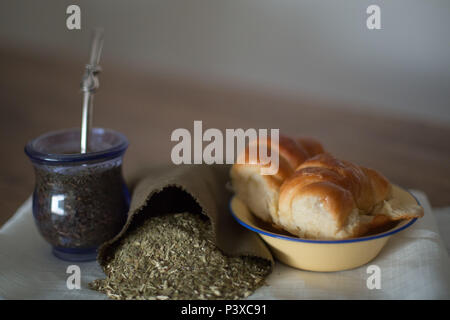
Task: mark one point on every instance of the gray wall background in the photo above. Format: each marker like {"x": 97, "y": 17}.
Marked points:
{"x": 314, "y": 48}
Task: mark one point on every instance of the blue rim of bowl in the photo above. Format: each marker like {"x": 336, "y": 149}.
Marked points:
{"x": 55, "y": 158}
{"x": 279, "y": 236}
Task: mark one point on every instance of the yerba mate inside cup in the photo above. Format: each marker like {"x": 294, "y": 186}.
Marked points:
{"x": 79, "y": 200}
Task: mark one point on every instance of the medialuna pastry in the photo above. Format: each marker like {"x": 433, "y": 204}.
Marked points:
{"x": 317, "y": 196}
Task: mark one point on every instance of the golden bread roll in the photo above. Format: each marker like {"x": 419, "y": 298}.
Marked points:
{"x": 261, "y": 192}
{"x": 315, "y": 195}
{"x": 327, "y": 198}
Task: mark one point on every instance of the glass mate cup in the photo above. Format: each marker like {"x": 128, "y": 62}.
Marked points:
{"x": 80, "y": 200}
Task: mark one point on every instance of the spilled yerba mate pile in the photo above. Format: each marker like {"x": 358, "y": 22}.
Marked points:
{"x": 174, "y": 257}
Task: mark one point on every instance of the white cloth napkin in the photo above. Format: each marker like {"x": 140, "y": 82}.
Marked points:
{"x": 443, "y": 222}
{"x": 414, "y": 265}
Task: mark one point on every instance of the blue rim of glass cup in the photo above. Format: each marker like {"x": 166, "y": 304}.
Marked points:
{"x": 57, "y": 158}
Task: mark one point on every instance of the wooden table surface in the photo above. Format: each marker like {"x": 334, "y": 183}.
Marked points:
{"x": 39, "y": 94}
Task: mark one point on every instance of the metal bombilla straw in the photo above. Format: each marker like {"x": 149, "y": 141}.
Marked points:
{"x": 89, "y": 84}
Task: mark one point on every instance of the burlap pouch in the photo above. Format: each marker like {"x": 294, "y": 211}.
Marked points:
{"x": 194, "y": 188}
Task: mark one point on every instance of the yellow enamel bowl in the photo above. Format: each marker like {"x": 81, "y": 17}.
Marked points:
{"x": 321, "y": 255}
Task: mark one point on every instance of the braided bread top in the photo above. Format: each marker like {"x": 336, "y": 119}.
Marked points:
{"x": 342, "y": 184}
{"x": 292, "y": 153}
